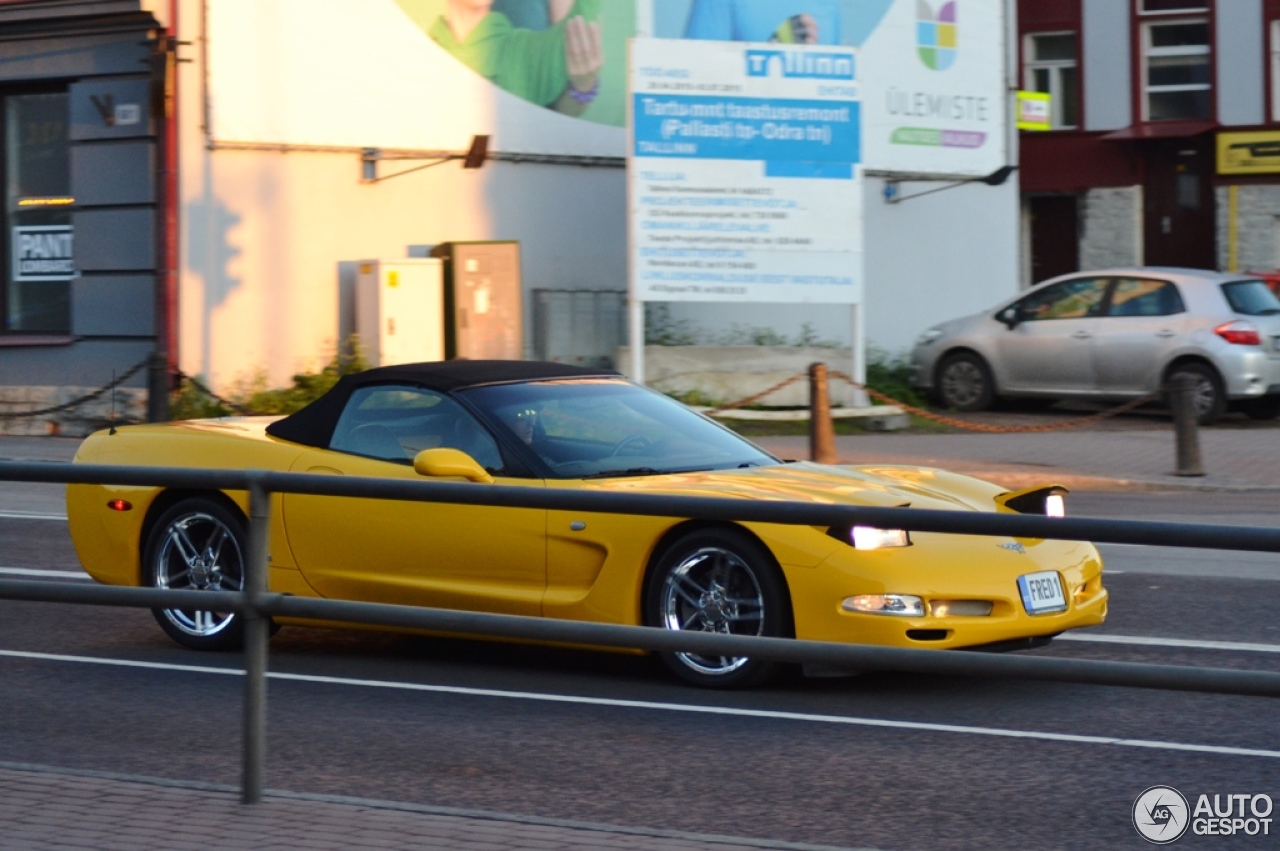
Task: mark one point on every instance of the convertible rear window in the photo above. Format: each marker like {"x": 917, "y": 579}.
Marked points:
{"x": 1251, "y": 298}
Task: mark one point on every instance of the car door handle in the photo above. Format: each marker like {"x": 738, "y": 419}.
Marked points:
{"x": 1082, "y": 335}
{"x": 1164, "y": 332}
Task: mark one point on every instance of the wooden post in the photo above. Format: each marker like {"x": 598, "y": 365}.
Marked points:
{"x": 822, "y": 434}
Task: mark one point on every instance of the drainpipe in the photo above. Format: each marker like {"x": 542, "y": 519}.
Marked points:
{"x": 164, "y": 358}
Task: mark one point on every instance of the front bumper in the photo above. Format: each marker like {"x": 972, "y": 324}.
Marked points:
{"x": 943, "y": 569}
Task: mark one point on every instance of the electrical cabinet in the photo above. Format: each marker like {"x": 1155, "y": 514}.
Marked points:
{"x": 400, "y": 310}
{"x": 483, "y": 300}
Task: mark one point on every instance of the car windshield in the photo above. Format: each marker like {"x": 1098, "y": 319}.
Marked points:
{"x": 1251, "y": 298}
{"x": 582, "y": 428}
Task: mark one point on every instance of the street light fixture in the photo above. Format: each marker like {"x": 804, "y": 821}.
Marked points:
{"x": 475, "y": 157}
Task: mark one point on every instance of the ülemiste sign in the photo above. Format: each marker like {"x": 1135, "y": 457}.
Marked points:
{"x": 934, "y": 91}
{"x": 743, "y": 172}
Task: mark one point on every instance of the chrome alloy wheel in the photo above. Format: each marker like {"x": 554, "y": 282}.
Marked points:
{"x": 198, "y": 552}
{"x": 713, "y": 590}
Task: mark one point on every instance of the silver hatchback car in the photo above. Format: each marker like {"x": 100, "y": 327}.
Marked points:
{"x": 1113, "y": 334}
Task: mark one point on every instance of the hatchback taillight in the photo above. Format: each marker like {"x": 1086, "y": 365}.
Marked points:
{"x": 1240, "y": 333}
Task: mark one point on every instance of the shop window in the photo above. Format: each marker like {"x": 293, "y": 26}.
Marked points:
{"x": 1176, "y": 72}
{"x": 37, "y": 244}
{"x": 1051, "y": 67}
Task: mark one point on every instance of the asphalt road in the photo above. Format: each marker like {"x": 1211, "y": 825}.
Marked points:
{"x": 881, "y": 760}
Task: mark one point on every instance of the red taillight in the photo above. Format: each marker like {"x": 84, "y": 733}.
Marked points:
{"x": 120, "y": 505}
{"x": 1240, "y": 333}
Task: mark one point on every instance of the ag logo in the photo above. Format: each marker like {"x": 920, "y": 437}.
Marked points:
{"x": 1161, "y": 815}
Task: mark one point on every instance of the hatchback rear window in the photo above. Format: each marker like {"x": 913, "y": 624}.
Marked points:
{"x": 1251, "y": 298}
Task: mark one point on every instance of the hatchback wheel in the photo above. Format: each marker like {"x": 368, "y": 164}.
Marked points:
{"x": 1264, "y": 408}
{"x": 964, "y": 383}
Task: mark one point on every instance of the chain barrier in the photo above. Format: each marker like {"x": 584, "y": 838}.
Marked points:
{"x": 235, "y": 408}
{"x": 965, "y": 424}
{"x": 756, "y": 398}
{"x": 66, "y": 406}
{"x": 241, "y": 410}
{"x": 942, "y": 418}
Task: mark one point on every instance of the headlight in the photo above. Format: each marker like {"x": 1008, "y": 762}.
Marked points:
{"x": 928, "y": 336}
{"x": 1049, "y": 500}
{"x": 869, "y": 537}
{"x": 903, "y": 605}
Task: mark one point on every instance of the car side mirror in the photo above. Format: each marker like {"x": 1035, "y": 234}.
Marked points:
{"x": 446, "y": 463}
{"x": 1009, "y": 316}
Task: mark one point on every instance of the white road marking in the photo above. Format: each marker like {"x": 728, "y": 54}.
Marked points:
{"x": 27, "y": 515}
{"x": 671, "y": 707}
{"x": 1141, "y": 641}
{"x": 46, "y": 574}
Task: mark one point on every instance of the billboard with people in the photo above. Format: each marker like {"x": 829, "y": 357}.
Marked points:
{"x": 550, "y": 76}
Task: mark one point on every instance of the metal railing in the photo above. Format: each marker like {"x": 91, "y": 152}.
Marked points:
{"x": 256, "y": 604}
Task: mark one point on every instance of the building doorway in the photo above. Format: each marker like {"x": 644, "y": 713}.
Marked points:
{"x": 1055, "y": 235}
{"x": 1178, "y": 207}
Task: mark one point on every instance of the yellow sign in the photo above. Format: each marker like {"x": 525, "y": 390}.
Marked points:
{"x": 1249, "y": 153}
{"x": 1034, "y": 111}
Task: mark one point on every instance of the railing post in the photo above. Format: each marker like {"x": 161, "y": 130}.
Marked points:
{"x": 1182, "y": 405}
{"x": 822, "y": 434}
{"x": 256, "y": 635}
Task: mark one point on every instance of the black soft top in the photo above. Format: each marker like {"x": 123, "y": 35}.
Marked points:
{"x": 314, "y": 424}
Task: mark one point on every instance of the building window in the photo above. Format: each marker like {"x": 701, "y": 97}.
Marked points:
{"x": 1157, "y": 7}
{"x": 1051, "y": 68}
{"x": 37, "y": 245}
{"x": 1175, "y": 65}
{"x": 1275, "y": 70}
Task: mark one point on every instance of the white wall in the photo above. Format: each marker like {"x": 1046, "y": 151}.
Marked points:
{"x": 265, "y": 236}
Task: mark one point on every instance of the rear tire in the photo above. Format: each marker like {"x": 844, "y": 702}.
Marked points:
{"x": 1263, "y": 408}
{"x": 964, "y": 383}
{"x": 199, "y": 545}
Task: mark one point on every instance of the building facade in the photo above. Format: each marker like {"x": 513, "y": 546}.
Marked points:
{"x": 1165, "y": 147}
{"x": 191, "y": 187}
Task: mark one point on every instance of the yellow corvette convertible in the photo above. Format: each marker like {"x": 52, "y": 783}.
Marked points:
{"x": 557, "y": 426}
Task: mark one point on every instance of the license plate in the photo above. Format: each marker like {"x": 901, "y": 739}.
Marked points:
{"x": 1042, "y": 592}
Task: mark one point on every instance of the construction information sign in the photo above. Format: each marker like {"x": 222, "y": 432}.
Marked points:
{"x": 743, "y": 172}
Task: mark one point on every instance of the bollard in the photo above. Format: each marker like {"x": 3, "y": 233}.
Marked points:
{"x": 1182, "y": 404}
{"x": 822, "y": 434}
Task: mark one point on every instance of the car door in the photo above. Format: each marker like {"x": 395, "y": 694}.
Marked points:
{"x": 424, "y": 554}
{"x": 1137, "y": 336}
{"x": 1049, "y": 347}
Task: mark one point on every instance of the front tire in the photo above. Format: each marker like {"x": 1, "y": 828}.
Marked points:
{"x": 964, "y": 383}
{"x": 199, "y": 545}
{"x": 720, "y": 581}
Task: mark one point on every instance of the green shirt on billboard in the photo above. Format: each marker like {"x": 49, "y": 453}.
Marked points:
{"x": 528, "y": 63}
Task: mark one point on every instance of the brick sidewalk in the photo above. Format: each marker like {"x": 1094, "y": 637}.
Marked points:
{"x": 44, "y": 809}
